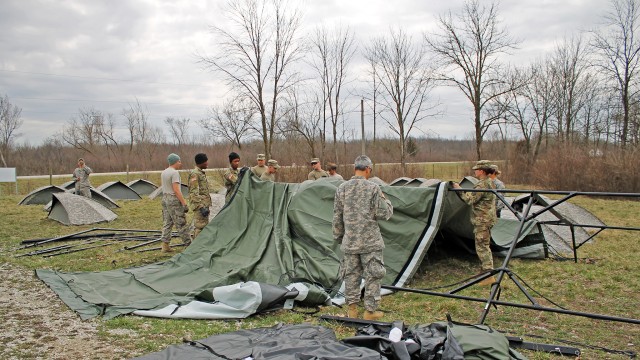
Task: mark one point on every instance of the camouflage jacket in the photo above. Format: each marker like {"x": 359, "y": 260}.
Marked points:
{"x": 499, "y": 185}
{"x": 82, "y": 175}
{"x": 258, "y": 170}
{"x": 483, "y": 204}
{"x": 198, "y": 189}
{"x": 317, "y": 174}
{"x": 268, "y": 177}
{"x": 230, "y": 178}
{"x": 358, "y": 204}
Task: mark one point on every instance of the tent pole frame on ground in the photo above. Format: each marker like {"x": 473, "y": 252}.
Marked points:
{"x": 504, "y": 269}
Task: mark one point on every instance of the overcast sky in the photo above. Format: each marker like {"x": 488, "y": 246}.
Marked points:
{"x": 59, "y": 56}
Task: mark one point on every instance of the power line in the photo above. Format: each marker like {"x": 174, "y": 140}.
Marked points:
{"x": 98, "y": 78}
{"x": 105, "y": 101}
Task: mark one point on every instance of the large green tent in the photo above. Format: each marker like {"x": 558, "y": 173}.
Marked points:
{"x": 273, "y": 233}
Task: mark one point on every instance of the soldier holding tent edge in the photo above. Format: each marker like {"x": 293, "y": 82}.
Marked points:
{"x": 358, "y": 205}
{"x": 483, "y": 215}
{"x": 231, "y": 175}
{"x": 174, "y": 206}
{"x": 199, "y": 197}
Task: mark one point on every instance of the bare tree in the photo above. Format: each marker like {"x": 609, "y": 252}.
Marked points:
{"x": 571, "y": 79}
{"x": 179, "y": 129}
{"x": 405, "y": 82}
{"x": 232, "y": 121}
{"x": 137, "y": 124}
{"x": 89, "y": 129}
{"x": 469, "y": 46}
{"x": 331, "y": 55}
{"x": 618, "y": 46}
{"x": 10, "y": 122}
{"x": 256, "y": 54}
{"x": 304, "y": 119}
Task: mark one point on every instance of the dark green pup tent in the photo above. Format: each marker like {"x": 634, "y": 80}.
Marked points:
{"x": 272, "y": 233}
{"x": 41, "y": 196}
{"x": 117, "y": 190}
{"x": 142, "y": 186}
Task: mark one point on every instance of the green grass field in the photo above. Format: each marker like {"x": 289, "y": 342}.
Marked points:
{"x": 604, "y": 281}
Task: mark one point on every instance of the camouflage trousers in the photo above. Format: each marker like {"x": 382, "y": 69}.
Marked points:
{"x": 368, "y": 267}
{"x": 83, "y": 191}
{"x": 173, "y": 214}
{"x": 482, "y": 236}
{"x": 199, "y": 222}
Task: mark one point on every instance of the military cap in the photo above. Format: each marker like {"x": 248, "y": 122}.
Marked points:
{"x": 173, "y": 158}
{"x": 496, "y": 169}
{"x": 273, "y": 163}
{"x": 261, "y": 157}
{"x": 362, "y": 162}
{"x": 315, "y": 160}
{"x": 482, "y": 164}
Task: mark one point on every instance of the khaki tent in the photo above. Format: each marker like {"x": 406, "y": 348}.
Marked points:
{"x": 71, "y": 209}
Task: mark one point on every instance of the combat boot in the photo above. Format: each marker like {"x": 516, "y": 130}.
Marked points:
{"x": 373, "y": 315}
{"x": 353, "y": 311}
{"x": 166, "y": 248}
{"x": 488, "y": 281}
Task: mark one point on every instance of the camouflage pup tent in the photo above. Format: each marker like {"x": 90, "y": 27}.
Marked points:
{"x": 71, "y": 209}
{"x": 271, "y": 233}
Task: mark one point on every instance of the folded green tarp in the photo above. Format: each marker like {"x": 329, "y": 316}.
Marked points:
{"x": 273, "y": 233}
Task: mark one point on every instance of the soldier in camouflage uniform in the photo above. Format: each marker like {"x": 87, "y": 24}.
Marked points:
{"x": 231, "y": 175}
{"x": 272, "y": 169}
{"x": 259, "y": 169}
{"x": 358, "y": 205}
{"x": 483, "y": 215}
{"x": 81, "y": 176}
{"x": 174, "y": 206}
{"x": 499, "y": 185}
{"x": 317, "y": 171}
{"x": 199, "y": 197}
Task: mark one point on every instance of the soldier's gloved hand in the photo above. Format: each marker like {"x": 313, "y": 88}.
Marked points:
{"x": 204, "y": 211}
{"x": 186, "y": 208}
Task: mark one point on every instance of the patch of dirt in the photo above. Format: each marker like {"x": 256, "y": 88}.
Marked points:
{"x": 36, "y": 324}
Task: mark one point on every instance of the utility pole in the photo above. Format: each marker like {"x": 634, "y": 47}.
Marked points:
{"x": 362, "y": 123}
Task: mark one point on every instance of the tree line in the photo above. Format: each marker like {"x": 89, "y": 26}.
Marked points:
{"x": 582, "y": 95}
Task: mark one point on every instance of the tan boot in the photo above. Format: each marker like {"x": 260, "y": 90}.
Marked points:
{"x": 166, "y": 248}
{"x": 488, "y": 281}
{"x": 353, "y": 311}
{"x": 372, "y": 315}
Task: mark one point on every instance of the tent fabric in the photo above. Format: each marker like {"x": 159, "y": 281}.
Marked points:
{"x": 69, "y": 185}
{"x": 41, "y": 196}
{"x": 117, "y": 190}
{"x": 71, "y": 209}
{"x": 271, "y": 233}
{"x": 301, "y": 341}
{"x": 142, "y": 186}
{"x": 96, "y": 195}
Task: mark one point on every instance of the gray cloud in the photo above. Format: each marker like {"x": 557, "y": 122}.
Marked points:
{"x": 58, "y": 57}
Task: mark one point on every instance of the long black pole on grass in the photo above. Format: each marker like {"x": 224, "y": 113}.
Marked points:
{"x": 523, "y": 306}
